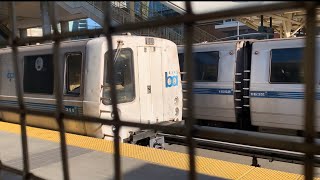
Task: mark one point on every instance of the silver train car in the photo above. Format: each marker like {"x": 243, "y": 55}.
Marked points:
{"x": 147, "y": 81}
{"x": 251, "y": 84}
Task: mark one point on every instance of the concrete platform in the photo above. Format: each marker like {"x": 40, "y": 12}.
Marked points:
{"x": 83, "y": 163}
{"x": 91, "y": 158}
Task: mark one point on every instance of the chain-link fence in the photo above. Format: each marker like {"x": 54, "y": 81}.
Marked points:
{"x": 308, "y": 147}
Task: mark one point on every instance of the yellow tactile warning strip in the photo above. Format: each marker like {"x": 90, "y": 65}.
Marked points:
{"x": 177, "y": 160}
{"x": 302, "y": 178}
{"x": 261, "y": 173}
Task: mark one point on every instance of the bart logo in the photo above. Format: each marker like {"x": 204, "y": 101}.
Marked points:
{"x": 171, "y": 79}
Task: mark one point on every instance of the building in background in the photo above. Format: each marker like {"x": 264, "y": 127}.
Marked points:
{"x": 230, "y": 27}
{"x": 74, "y": 26}
{"x": 146, "y": 10}
{"x": 78, "y": 25}
{"x": 221, "y": 29}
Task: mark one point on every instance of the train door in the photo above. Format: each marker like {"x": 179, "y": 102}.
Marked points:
{"x": 151, "y": 104}
{"x": 156, "y": 84}
{"x": 73, "y": 91}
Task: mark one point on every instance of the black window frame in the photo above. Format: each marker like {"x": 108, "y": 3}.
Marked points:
{"x": 67, "y": 90}
{"x": 195, "y": 65}
{"x": 181, "y": 63}
{"x": 26, "y": 89}
{"x": 301, "y": 80}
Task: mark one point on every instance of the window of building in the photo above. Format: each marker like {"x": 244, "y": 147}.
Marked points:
{"x": 73, "y": 73}
{"x": 38, "y": 74}
{"x": 205, "y": 65}
{"x": 286, "y": 65}
{"x": 123, "y": 74}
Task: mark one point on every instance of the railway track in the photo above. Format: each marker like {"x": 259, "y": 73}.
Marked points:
{"x": 244, "y": 150}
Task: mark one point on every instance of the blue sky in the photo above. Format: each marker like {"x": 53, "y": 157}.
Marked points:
{"x": 92, "y": 24}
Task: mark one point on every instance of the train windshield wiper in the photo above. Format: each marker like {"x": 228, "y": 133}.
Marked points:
{"x": 120, "y": 43}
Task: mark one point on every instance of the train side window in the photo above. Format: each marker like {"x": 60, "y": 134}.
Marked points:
{"x": 286, "y": 66}
{"x": 206, "y": 66}
{"x": 73, "y": 73}
{"x": 123, "y": 74}
{"x": 38, "y": 74}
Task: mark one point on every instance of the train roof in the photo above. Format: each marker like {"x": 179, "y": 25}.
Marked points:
{"x": 215, "y": 42}
{"x": 49, "y": 44}
{"x": 82, "y": 41}
{"x": 251, "y": 40}
{"x": 278, "y": 39}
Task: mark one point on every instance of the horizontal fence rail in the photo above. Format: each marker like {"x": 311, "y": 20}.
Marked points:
{"x": 309, "y": 146}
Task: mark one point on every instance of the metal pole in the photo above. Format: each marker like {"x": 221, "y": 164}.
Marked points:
{"x": 64, "y": 27}
{"x": 238, "y": 29}
{"x": 309, "y": 65}
{"x": 189, "y": 32}
{"x": 131, "y": 9}
{"x": 46, "y": 28}
{"x": 114, "y": 101}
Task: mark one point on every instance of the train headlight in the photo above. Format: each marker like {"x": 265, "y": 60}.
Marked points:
{"x": 113, "y": 129}
{"x": 176, "y": 100}
{"x": 113, "y": 112}
{"x": 177, "y": 111}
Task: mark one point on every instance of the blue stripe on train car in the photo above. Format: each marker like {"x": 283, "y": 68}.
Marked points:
{"x": 217, "y": 91}
{"x": 75, "y": 110}
{"x": 280, "y": 94}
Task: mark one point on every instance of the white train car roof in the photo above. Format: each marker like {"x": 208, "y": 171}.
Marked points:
{"x": 208, "y": 44}
{"x": 211, "y": 44}
{"x": 45, "y": 46}
{"x": 139, "y": 41}
{"x": 280, "y": 43}
{"x": 281, "y": 39}
{"x": 136, "y": 40}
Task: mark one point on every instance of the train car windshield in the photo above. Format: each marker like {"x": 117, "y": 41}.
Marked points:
{"x": 123, "y": 76}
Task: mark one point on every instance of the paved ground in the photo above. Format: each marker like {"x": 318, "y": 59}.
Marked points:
{"x": 84, "y": 164}
{"x": 90, "y": 164}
